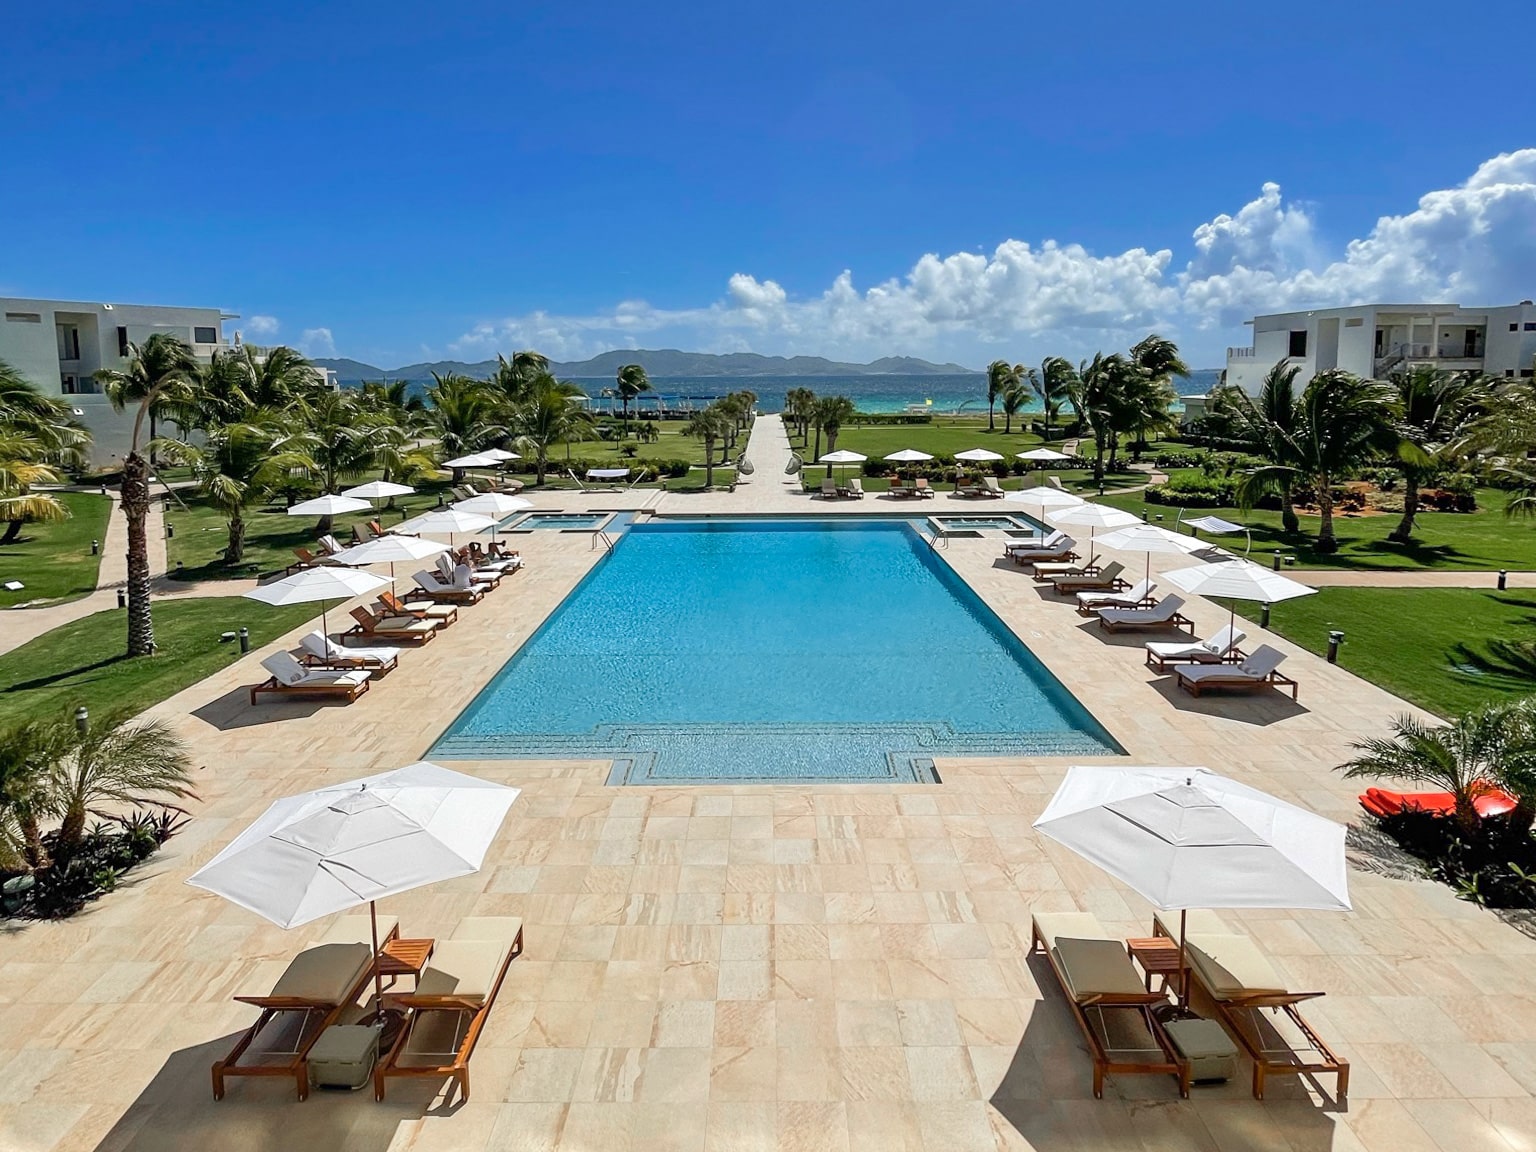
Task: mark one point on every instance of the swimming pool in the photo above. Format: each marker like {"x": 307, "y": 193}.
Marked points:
{"x": 758, "y": 650}
{"x": 560, "y": 521}
{"x": 1017, "y": 524}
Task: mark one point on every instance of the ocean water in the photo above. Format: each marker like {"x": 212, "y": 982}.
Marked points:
{"x": 761, "y": 649}
{"x": 945, "y": 394}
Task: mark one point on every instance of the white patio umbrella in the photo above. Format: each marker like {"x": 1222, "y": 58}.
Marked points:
{"x": 1217, "y": 526}
{"x": 335, "y": 848}
{"x": 330, "y": 504}
{"x": 388, "y": 549}
{"x": 908, "y": 456}
{"x": 1045, "y": 496}
{"x": 500, "y": 454}
{"x": 378, "y": 490}
{"x": 1092, "y": 517}
{"x": 1237, "y": 580}
{"x": 1148, "y": 538}
{"x": 843, "y": 457}
{"x": 1188, "y": 838}
{"x": 1043, "y": 454}
{"x": 474, "y": 460}
{"x": 317, "y": 584}
{"x": 492, "y": 504}
{"x": 978, "y": 454}
{"x": 449, "y": 520}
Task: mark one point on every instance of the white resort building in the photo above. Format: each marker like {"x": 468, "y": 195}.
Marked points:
{"x": 59, "y": 344}
{"x": 1371, "y": 340}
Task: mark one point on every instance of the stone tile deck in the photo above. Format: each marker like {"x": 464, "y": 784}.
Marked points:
{"x": 797, "y": 967}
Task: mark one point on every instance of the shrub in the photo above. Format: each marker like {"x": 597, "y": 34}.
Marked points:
{"x": 94, "y": 868}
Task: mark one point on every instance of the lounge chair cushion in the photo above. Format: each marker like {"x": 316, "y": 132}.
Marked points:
{"x": 404, "y": 624}
{"x": 1232, "y": 965}
{"x": 325, "y": 973}
{"x": 1096, "y": 967}
{"x": 496, "y": 929}
{"x": 1197, "y": 922}
{"x": 1083, "y": 925}
{"x": 464, "y": 969}
{"x": 357, "y": 930}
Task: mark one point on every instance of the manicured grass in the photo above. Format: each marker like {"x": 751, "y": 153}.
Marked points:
{"x": 54, "y": 561}
{"x": 83, "y": 663}
{"x": 1480, "y": 541}
{"x": 1444, "y": 649}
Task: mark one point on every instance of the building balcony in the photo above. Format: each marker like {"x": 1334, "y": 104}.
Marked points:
{"x": 1240, "y": 353}
{"x": 1449, "y": 360}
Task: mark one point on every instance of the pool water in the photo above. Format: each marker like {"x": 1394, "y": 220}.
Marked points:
{"x": 563, "y": 521}
{"x": 770, "y": 650}
{"x": 983, "y": 523}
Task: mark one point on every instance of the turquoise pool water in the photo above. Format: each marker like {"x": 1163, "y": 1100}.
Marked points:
{"x": 562, "y": 521}
{"x": 769, "y": 650}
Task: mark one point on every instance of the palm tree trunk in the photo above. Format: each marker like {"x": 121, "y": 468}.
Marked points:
{"x": 135, "y": 501}
{"x": 32, "y": 839}
{"x": 816, "y": 454}
{"x": 991, "y": 426}
{"x": 71, "y": 830}
{"x": 1325, "y": 538}
{"x": 1007, "y": 422}
{"x": 235, "y": 552}
{"x": 1098, "y": 457}
{"x": 709, "y": 463}
{"x": 1403, "y": 533}
{"x": 12, "y": 530}
{"x": 1288, "y": 518}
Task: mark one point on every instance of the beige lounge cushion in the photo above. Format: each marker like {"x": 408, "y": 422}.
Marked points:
{"x": 404, "y": 624}
{"x": 355, "y": 929}
{"x": 1230, "y": 965}
{"x": 498, "y": 929}
{"x": 1198, "y": 922}
{"x": 464, "y": 969}
{"x": 324, "y": 974}
{"x": 1096, "y": 968}
{"x": 1083, "y": 925}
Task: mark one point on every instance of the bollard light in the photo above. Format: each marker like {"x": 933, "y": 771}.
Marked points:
{"x": 103, "y": 489}
{"x": 122, "y": 598}
{"x": 1277, "y": 561}
{"x": 1335, "y": 638}
{"x": 95, "y": 547}
{"x": 245, "y": 640}
{"x": 1503, "y": 579}
{"x": 82, "y": 720}
{"x": 1264, "y": 616}
{"x": 169, "y": 530}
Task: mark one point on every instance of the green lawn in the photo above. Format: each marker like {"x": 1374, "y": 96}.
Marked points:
{"x": 83, "y": 663}
{"x": 1444, "y": 649}
{"x": 1484, "y": 540}
{"x": 54, "y": 561}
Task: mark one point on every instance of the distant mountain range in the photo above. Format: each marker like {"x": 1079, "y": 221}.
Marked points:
{"x": 662, "y": 362}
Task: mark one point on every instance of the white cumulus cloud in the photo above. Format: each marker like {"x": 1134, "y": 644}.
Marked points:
{"x": 317, "y": 342}
{"x": 261, "y": 326}
{"x": 1473, "y": 244}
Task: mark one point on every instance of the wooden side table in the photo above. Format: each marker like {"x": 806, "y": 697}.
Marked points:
{"x": 1158, "y": 956}
{"x": 405, "y": 957}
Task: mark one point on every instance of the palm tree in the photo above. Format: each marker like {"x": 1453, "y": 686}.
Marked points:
{"x": 832, "y": 412}
{"x": 1468, "y": 758}
{"x": 1343, "y": 421}
{"x": 1270, "y": 424}
{"x": 999, "y": 375}
{"x": 798, "y": 405}
{"x": 466, "y": 414}
{"x": 155, "y": 369}
{"x": 709, "y": 426}
{"x": 28, "y": 752}
{"x": 113, "y": 763}
{"x": 1095, "y": 394}
{"x": 1055, "y": 386}
{"x": 632, "y": 381}
{"x": 38, "y": 436}
{"x": 548, "y": 416}
{"x": 515, "y": 378}
{"x": 277, "y": 376}
{"x": 1016, "y": 396}
{"x": 236, "y": 466}
{"x": 1435, "y": 414}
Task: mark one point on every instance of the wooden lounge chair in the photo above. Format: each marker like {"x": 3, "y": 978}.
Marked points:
{"x": 1106, "y": 579}
{"x": 1253, "y": 1002}
{"x": 1138, "y": 596}
{"x": 922, "y": 489}
{"x": 320, "y": 651}
{"x": 990, "y": 487}
{"x": 449, "y": 572}
{"x": 1041, "y": 547}
{"x": 854, "y": 489}
{"x": 1254, "y": 674}
{"x": 460, "y": 589}
{"x": 290, "y": 678}
{"x": 328, "y": 545}
{"x": 492, "y": 559}
{"x": 1109, "y": 1003}
{"x": 971, "y": 489}
{"x": 1220, "y": 648}
{"x": 406, "y": 628}
{"x": 392, "y": 605}
{"x": 308, "y": 559}
{"x": 829, "y": 489}
{"x": 898, "y": 490}
{"x": 1164, "y": 614}
{"x": 451, "y": 1003}
{"x": 308, "y": 997}
{"x": 1056, "y": 569}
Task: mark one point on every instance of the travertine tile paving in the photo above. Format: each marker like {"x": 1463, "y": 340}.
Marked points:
{"x": 798, "y": 967}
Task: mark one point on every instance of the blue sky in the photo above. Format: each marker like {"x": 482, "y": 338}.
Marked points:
{"x": 398, "y": 181}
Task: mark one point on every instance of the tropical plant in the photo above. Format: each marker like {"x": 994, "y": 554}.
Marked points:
{"x": 832, "y": 412}
{"x": 1015, "y": 398}
{"x": 799, "y": 405}
{"x": 515, "y": 378}
{"x": 39, "y": 436}
{"x": 708, "y": 425}
{"x": 28, "y": 752}
{"x": 237, "y": 466}
{"x": 112, "y": 762}
{"x": 1435, "y": 414}
{"x": 1150, "y": 391}
{"x": 1054, "y": 385}
{"x": 1094, "y": 396}
{"x": 1270, "y": 425}
{"x": 1492, "y": 747}
{"x": 1343, "y": 421}
{"x": 548, "y": 416}
{"x": 466, "y": 414}
{"x": 163, "y": 364}
{"x": 277, "y": 376}
{"x": 1001, "y": 376}
{"x": 632, "y": 381}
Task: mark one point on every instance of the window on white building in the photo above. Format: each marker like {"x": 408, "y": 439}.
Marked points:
{"x": 23, "y": 318}
{"x": 1298, "y": 344}
{"x": 205, "y": 335}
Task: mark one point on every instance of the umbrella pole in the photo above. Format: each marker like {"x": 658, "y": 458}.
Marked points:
{"x": 1183, "y": 970}
{"x": 378, "y": 975}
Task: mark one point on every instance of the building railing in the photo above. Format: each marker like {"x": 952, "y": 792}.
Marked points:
{"x": 1240, "y": 353}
